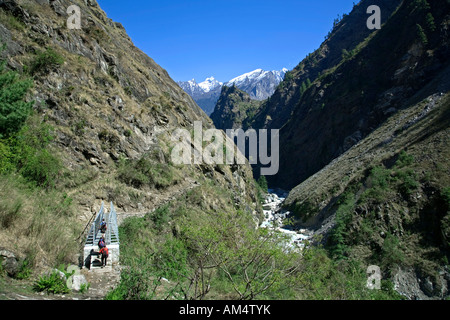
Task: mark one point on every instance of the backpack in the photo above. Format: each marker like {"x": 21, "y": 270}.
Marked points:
{"x": 101, "y": 243}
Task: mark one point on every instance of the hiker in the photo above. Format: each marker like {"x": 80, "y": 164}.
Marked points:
{"x": 104, "y": 252}
{"x": 101, "y": 242}
{"x": 103, "y": 226}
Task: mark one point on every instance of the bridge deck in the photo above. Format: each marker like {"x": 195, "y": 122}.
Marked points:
{"x": 91, "y": 258}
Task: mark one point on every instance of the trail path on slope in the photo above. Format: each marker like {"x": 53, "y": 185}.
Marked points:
{"x": 159, "y": 200}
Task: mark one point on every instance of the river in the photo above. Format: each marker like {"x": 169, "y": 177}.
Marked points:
{"x": 275, "y": 218}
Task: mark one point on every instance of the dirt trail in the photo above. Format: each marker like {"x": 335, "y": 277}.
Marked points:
{"x": 159, "y": 200}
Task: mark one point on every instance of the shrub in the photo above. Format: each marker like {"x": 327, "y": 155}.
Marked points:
{"x": 288, "y": 76}
{"x": 33, "y": 158}
{"x": 303, "y": 210}
{"x": 337, "y": 242}
{"x": 404, "y": 159}
{"x": 172, "y": 259}
{"x": 378, "y": 185}
{"x": 51, "y": 283}
{"x": 79, "y": 127}
{"x": 160, "y": 217}
{"x": 24, "y": 270}
{"x": 345, "y": 54}
{"x": 145, "y": 172}
{"x": 391, "y": 252}
{"x": 380, "y": 177}
{"x": 408, "y": 180}
{"x": 419, "y": 5}
{"x": 430, "y": 22}
{"x": 45, "y": 62}
{"x": 135, "y": 284}
{"x": 84, "y": 287}
{"x": 6, "y": 158}
{"x": 127, "y": 133}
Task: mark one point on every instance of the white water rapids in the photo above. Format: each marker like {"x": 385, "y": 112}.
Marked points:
{"x": 275, "y": 217}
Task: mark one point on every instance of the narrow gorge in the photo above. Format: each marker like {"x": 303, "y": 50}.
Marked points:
{"x": 361, "y": 136}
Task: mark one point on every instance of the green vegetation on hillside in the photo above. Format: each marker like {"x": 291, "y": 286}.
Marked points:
{"x": 45, "y": 61}
{"x": 381, "y": 221}
{"x": 35, "y": 215}
{"x": 191, "y": 249}
{"x": 147, "y": 172}
{"x": 202, "y": 251}
{"x": 13, "y": 109}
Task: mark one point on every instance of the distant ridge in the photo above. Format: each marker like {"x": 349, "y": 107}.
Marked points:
{"x": 259, "y": 84}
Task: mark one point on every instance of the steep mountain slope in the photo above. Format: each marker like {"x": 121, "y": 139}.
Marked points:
{"x": 364, "y": 143}
{"x": 374, "y": 81}
{"x": 386, "y": 200}
{"x": 112, "y": 109}
{"x": 346, "y": 35}
{"x": 233, "y": 107}
{"x": 368, "y": 140}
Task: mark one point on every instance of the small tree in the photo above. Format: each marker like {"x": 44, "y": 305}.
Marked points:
{"x": 253, "y": 261}
{"x": 303, "y": 88}
{"x": 347, "y": 55}
{"x": 13, "y": 108}
{"x": 262, "y": 182}
{"x": 430, "y": 22}
{"x": 422, "y": 35}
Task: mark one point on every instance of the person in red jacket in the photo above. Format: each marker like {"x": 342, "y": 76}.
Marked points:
{"x": 104, "y": 252}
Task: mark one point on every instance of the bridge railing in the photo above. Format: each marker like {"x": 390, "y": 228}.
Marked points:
{"x": 93, "y": 232}
{"x": 112, "y": 232}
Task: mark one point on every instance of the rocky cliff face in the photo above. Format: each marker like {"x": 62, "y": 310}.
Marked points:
{"x": 346, "y": 35}
{"x": 108, "y": 102}
{"x": 358, "y": 88}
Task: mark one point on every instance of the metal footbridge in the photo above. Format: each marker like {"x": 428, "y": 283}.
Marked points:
{"x": 95, "y": 233}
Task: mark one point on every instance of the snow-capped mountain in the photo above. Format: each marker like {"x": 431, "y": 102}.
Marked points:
{"x": 205, "y": 93}
{"x": 259, "y": 84}
{"x": 210, "y": 84}
{"x": 194, "y": 88}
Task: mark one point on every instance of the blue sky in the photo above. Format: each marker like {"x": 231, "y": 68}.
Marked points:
{"x": 203, "y": 38}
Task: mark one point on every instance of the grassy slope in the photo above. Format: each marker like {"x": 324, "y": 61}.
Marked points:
{"x": 111, "y": 106}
